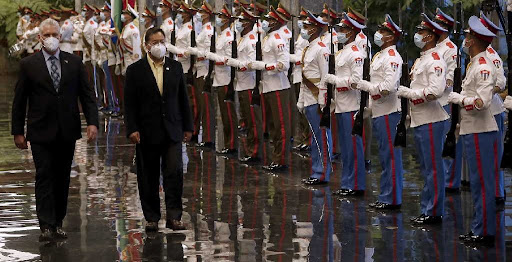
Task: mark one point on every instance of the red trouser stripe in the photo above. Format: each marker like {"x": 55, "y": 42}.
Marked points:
{"x": 264, "y": 116}
{"x": 194, "y": 103}
{"x": 392, "y": 153}
{"x": 482, "y": 183}
{"x": 283, "y": 131}
{"x": 254, "y": 127}
{"x": 434, "y": 167}
{"x": 207, "y": 105}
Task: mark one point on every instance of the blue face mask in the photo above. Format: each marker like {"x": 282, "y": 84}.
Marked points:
{"x": 265, "y": 26}
{"x": 102, "y": 16}
{"x": 304, "y": 34}
{"x": 159, "y": 11}
{"x": 142, "y": 20}
{"x": 179, "y": 19}
{"x": 377, "y": 39}
{"x": 418, "y": 41}
{"x": 218, "y": 21}
{"x": 239, "y": 27}
{"x": 342, "y": 38}
{"x": 300, "y": 24}
{"x": 465, "y": 48}
{"x": 95, "y": 19}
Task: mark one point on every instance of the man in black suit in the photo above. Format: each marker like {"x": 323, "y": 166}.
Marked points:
{"x": 52, "y": 81}
{"x": 158, "y": 119}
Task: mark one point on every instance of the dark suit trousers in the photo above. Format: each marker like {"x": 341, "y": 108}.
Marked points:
{"x": 151, "y": 159}
{"x": 53, "y": 166}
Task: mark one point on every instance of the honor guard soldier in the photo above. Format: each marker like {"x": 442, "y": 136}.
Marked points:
{"x": 258, "y": 9}
{"x": 202, "y": 68}
{"x": 276, "y": 88}
{"x": 222, "y": 78}
{"x": 479, "y": 131}
{"x": 164, "y": 10}
{"x": 349, "y": 70}
{"x": 315, "y": 65}
{"x": 361, "y": 40}
{"x": 497, "y": 109}
{"x": 108, "y": 60}
{"x": 303, "y": 133}
{"x": 385, "y": 72}
{"x": 130, "y": 39}
{"x": 237, "y": 7}
{"x": 78, "y": 27}
{"x": 66, "y": 31}
{"x": 148, "y": 18}
{"x": 448, "y": 52}
{"x": 99, "y": 55}
{"x": 25, "y": 14}
{"x": 180, "y": 50}
{"x": 32, "y": 44}
{"x": 246, "y": 85}
{"x": 428, "y": 118}
{"x": 88, "y": 40}
{"x": 284, "y": 30}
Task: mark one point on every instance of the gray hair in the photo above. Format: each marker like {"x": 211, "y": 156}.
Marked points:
{"x": 49, "y": 22}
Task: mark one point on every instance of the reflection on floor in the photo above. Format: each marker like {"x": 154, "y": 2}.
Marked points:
{"x": 233, "y": 212}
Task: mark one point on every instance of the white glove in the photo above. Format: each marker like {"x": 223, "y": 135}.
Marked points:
{"x": 508, "y": 102}
{"x": 330, "y": 79}
{"x": 363, "y": 85}
{"x": 256, "y": 65}
{"x": 210, "y": 56}
{"x": 300, "y": 107}
{"x": 234, "y": 63}
{"x": 117, "y": 70}
{"x": 192, "y": 50}
{"x": 403, "y": 92}
{"x": 455, "y": 98}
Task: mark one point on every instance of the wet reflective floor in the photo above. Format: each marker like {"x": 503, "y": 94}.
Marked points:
{"x": 233, "y": 212}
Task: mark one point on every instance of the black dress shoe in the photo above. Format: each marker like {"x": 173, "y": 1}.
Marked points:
{"x": 151, "y": 226}
{"x": 175, "y": 224}
{"x": 500, "y": 201}
{"x": 314, "y": 181}
{"x": 451, "y": 190}
{"x": 59, "y": 233}
{"x": 250, "y": 159}
{"x": 349, "y": 192}
{"x": 206, "y": 144}
{"x": 416, "y": 218}
{"x": 384, "y": 206}
{"x": 275, "y": 167}
{"x": 368, "y": 166}
{"x": 339, "y": 191}
{"x": 428, "y": 220}
{"x": 472, "y": 239}
{"x": 227, "y": 151}
{"x": 46, "y": 235}
{"x": 116, "y": 114}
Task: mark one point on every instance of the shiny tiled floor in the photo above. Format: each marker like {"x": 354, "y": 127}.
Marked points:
{"x": 233, "y": 212}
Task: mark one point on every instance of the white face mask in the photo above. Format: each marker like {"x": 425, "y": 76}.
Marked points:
{"x": 265, "y": 26}
{"x": 342, "y": 38}
{"x": 51, "y": 44}
{"x": 465, "y": 49}
{"x": 123, "y": 19}
{"x": 158, "y": 51}
{"x": 142, "y": 19}
{"x": 305, "y": 34}
{"x": 102, "y": 16}
{"x": 418, "y": 41}
{"x": 26, "y": 17}
{"x": 159, "y": 11}
{"x": 82, "y": 13}
{"x": 95, "y": 19}
{"x": 179, "y": 19}
{"x": 198, "y": 17}
{"x": 377, "y": 39}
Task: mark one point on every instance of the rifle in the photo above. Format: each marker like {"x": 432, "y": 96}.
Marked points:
{"x": 325, "y": 121}
{"x": 256, "y": 91}
{"x": 190, "y": 74}
{"x": 230, "y": 95}
{"x": 209, "y": 79}
{"x": 450, "y": 143}
{"x": 506, "y": 161}
{"x": 401, "y": 129}
{"x": 292, "y": 51}
{"x": 357, "y": 129}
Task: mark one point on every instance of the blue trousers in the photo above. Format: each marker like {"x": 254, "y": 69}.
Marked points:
{"x": 391, "y": 179}
{"x": 429, "y": 140}
{"x": 353, "y": 174}
{"x": 480, "y": 150}
{"x": 500, "y": 187}
{"x": 110, "y": 87}
{"x": 321, "y": 145}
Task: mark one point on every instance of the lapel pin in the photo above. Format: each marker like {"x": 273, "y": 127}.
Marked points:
{"x": 167, "y": 68}
{"x": 66, "y": 61}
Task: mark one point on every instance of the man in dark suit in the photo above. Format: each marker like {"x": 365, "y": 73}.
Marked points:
{"x": 52, "y": 81}
{"x": 158, "y": 119}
